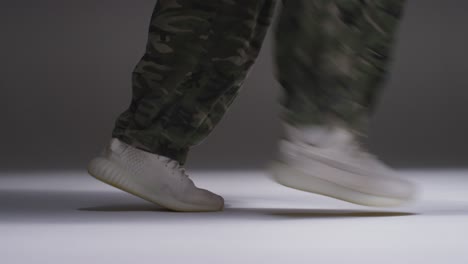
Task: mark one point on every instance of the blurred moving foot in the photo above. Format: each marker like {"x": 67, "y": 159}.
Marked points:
{"x": 154, "y": 178}
{"x": 329, "y": 161}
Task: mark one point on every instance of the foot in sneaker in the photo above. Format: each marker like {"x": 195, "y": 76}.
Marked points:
{"x": 154, "y": 178}
{"x": 329, "y": 161}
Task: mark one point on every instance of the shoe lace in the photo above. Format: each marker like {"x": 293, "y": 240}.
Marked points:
{"x": 175, "y": 165}
{"x": 356, "y": 149}
{"x": 362, "y": 154}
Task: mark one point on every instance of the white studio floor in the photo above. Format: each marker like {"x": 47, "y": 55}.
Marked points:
{"x": 72, "y": 218}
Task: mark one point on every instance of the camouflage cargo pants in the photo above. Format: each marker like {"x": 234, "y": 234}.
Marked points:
{"x": 331, "y": 58}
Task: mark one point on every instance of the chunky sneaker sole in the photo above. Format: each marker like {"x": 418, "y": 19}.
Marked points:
{"x": 111, "y": 173}
{"x": 143, "y": 186}
{"x": 330, "y": 161}
{"x": 292, "y": 177}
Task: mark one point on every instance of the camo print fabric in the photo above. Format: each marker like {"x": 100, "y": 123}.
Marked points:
{"x": 331, "y": 57}
{"x": 198, "y": 55}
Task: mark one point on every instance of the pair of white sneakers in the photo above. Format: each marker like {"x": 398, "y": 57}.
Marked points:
{"x": 326, "y": 161}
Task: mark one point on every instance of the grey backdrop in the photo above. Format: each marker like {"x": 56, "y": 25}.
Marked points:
{"x": 65, "y": 75}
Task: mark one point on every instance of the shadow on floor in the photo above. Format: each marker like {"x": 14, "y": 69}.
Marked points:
{"x": 325, "y": 213}
{"x": 96, "y": 206}
{"x": 292, "y": 213}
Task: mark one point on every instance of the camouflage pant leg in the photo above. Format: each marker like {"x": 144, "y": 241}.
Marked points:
{"x": 197, "y": 56}
{"x": 332, "y": 56}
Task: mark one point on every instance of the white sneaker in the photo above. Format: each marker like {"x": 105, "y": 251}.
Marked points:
{"x": 330, "y": 162}
{"x": 154, "y": 178}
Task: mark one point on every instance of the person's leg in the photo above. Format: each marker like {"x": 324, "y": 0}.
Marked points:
{"x": 332, "y": 57}
{"x": 197, "y": 57}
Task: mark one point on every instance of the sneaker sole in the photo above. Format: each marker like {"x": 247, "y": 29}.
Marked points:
{"x": 297, "y": 179}
{"x": 115, "y": 175}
